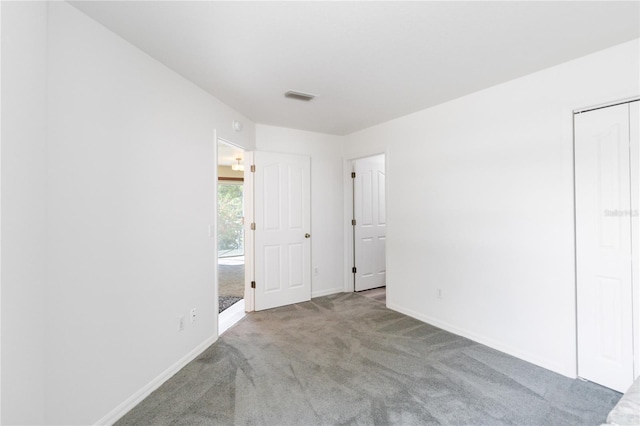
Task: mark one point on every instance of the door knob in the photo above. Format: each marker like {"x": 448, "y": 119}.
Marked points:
{"x": 307, "y": 235}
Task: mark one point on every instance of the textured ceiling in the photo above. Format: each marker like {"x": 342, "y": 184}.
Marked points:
{"x": 368, "y": 62}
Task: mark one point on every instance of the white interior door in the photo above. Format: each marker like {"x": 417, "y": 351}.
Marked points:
{"x": 282, "y": 229}
{"x": 370, "y": 223}
{"x": 634, "y": 134}
{"x": 603, "y": 247}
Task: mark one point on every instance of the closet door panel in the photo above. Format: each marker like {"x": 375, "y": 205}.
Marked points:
{"x": 603, "y": 247}
{"x": 634, "y": 150}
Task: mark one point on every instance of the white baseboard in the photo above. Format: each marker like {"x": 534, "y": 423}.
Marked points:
{"x": 122, "y": 409}
{"x": 327, "y": 292}
{"x": 230, "y": 316}
{"x": 556, "y": 368}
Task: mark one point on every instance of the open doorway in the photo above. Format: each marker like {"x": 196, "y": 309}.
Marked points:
{"x": 369, "y": 225}
{"x": 230, "y": 235}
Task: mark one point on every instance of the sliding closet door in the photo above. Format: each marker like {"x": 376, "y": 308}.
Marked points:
{"x": 603, "y": 247}
{"x": 634, "y": 150}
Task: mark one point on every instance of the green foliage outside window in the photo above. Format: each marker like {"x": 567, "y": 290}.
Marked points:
{"x": 230, "y": 231}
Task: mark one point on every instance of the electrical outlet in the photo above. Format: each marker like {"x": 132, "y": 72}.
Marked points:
{"x": 315, "y": 271}
{"x": 181, "y": 323}
{"x": 193, "y": 315}
{"x": 439, "y": 293}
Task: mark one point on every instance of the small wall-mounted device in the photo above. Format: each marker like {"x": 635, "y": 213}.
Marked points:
{"x": 300, "y": 96}
{"x": 237, "y": 126}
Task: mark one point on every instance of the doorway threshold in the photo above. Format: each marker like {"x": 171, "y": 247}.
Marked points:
{"x": 230, "y": 316}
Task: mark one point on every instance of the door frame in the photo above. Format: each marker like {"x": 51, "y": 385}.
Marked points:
{"x": 593, "y": 105}
{"x": 347, "y": 168}
{"x": 249, "y": 235}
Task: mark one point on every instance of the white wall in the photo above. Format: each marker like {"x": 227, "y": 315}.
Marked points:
{"x": 326, "y": 198}
{"x": 131, "y": 185}
{"x": 23, "y": 210}
{"x": 480, "y": 204}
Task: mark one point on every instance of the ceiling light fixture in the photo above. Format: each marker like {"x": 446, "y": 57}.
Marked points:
{"x": 237, "y": 167}
{"x": 300, "y": 96}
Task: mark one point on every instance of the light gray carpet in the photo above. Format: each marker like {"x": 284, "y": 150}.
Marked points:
{"x": 379, "y": 294}
{"x": 347, "y": 359}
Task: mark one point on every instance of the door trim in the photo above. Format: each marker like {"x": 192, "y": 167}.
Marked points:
{"x": 606, "y": 105}
{"x": 249, "y": 234}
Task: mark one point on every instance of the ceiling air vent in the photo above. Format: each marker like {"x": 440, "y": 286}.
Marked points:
{"x": 291, "y": 94}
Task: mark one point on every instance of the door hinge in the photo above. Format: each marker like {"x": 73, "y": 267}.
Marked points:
{"x": 353, "y": 175}
{"x": 253, "y": 284}
{"x": 253, "y": 226}
{"x": 354, "y": 270}
{"x": 353, "y": 222}
{"x": 253, "y": 168}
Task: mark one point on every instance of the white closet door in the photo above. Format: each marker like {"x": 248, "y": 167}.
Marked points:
{"x": 370, "y": 228}
{"x": 603, "y": 247}
{"x": 634, "y": 133}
